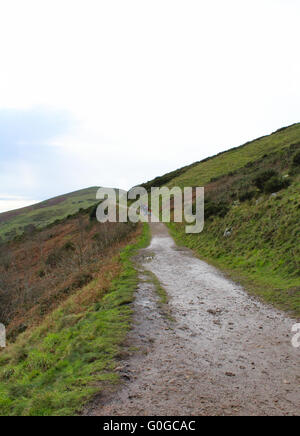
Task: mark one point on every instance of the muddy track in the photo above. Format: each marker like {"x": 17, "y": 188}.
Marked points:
{"x": 225, "y": 353}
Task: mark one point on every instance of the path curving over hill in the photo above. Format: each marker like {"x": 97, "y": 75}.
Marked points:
{"x": 225, "y": 353}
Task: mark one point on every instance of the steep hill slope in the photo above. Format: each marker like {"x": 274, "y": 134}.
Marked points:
{"x": 253, "y": 192}
{"x": 41, "y": 214}
{"x": 200, "y": 173}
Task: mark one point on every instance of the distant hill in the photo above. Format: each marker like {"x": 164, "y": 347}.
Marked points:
{"x": 41, "y": 214}
{"x": 65, "y": 300}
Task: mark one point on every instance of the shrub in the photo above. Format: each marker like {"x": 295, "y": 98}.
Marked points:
{"x": 41, "y": 273}
{"x": 5, "y": 260}
{"x": 16, "y": 331}
{"x": 29, "y": 229}
{"x": 212, "y": 208}
{"x": 296, "y": 159}
{"x": 93, "y": 212}
{"x": 81, "y": 280}
{"x": 68, "y": 246}
{"x": 275, "y": 184}
{"x": 261, "y": 179}
{"x": 53, "y": 259}
{"x": 247, "y": 195}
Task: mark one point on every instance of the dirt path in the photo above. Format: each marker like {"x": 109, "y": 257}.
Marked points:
{"x": 225, "y": 353}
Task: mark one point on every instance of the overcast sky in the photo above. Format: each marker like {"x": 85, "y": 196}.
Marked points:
{"x": 116, "y": 92}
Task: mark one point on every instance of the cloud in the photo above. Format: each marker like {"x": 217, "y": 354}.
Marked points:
{"x": 29, "y": 164}
{"x": 28, "y": 127}
{"x": 140, "y": 88}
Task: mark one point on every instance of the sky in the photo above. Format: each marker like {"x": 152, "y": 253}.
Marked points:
{"x": 114, "y": 93}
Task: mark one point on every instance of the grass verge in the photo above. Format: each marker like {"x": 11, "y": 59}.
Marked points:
{"x": 162, "y": 295}
{"x": 57, "y": 367}
{"x": 260, "y": 279}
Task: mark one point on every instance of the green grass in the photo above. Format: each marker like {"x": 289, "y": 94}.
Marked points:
{"x": 161, "y": 292}
{"x": 57, "y": 367}
{"x": 162, "y": 295}
{"x": 263, "y": 251}
{"x": 47, "y": 212}
{"x": 201, "y": 174}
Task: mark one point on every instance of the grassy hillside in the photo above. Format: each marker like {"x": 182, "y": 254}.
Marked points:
{"x": 253, "y": 192}
{"x": 231, "y": 160}
{"x": 200, "y": 173}
{"x": 40, "y": 215}
{"x": 65, "y": 294}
